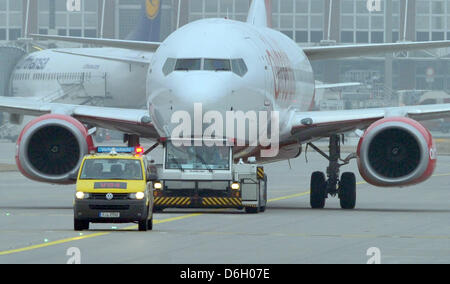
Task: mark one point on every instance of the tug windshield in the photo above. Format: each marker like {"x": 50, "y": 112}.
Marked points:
{"x": 198, "y": 157}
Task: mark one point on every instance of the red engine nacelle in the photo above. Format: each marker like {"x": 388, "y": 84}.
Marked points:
{"x": 396, "y": 151}
{"x": 51, "y": 148}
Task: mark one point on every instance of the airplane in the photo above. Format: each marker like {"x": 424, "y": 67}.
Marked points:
{"x": 93, "y": 76}
{"x": 262, "y": 69}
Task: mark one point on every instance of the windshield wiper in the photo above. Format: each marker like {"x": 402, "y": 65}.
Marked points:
{"x": 178, "y": 164}
{"x": 204, "y": 163}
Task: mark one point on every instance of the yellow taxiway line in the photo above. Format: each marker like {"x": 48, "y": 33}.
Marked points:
{"x": 90, "y": 236}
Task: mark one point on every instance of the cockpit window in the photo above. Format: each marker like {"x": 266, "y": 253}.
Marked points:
{"x": 239, "y": 67}
{"x": 169, "y": 66}
{"x": 188, "y": 64}
{"x": 217, "y": 65}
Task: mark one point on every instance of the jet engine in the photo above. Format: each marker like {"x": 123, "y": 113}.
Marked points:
{"x": 396, "y": 151}
{"x": 51, "y": 148}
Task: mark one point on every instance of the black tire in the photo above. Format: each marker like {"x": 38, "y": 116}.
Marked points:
{"x": 347, "y": 191}
{"x": 150, "y": 224}
{"x": 80, "y": 225}
{"x": 158, "y": 209}
{"x": 252, "y": 210}
{"x": 318, "y": 190}
{"x": 263, "y": 207}
{"x": 143, "y": 226}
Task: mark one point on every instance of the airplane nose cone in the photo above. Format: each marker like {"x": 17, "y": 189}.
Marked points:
{"x": 185, "y": 93}
{"x": 208, "y": 89}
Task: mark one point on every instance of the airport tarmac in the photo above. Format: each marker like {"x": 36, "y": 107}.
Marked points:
{"x": 409, "y": 225}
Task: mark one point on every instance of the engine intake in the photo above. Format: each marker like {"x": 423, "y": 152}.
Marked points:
{"x": 51, "y": 148}
{"x": 396, "y": 152}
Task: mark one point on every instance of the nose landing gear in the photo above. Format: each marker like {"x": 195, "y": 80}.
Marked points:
{"x": 344, "y": 188}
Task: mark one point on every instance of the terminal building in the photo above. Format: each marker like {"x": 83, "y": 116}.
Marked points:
{"x": 308, "y": 22}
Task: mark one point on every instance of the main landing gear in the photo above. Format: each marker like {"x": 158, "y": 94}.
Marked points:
{"x": 331, "y": 185}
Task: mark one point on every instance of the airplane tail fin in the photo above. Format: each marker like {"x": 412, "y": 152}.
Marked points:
{"x": 149, "y": 26}
{"x": 260, "y": 13}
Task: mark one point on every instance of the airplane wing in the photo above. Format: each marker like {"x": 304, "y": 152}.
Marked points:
{"x": 309, "y": 126}
{"x": 337, "y": 86}
{"x": 131, "y": 121}
{"x": 345, "y": 51}
{"x": 130, "y": 60}
{"x": 127, "y": 44}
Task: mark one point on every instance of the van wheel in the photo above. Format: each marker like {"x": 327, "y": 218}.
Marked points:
{"x": 143, "y": 226}
{"x": 150, "y": 224}
{"x": 80, "y": 225}
{"x": 158, "y": 209}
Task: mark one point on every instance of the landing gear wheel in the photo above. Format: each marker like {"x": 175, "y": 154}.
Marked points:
{"x": 143, "y": 226}
{"x": 347, "y": 191}
{"x": 318, "y": 190}
{"x": 252, "y": 210}
{"x": 80, "y": 225}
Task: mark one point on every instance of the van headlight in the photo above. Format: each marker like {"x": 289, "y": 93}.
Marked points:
{"x": 81, "y": 195}
{"x": 235, "y": 186}
{"x": 157, "y": 185}
{"x": 137, "y": 196}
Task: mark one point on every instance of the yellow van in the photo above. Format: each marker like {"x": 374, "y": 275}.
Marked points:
{"x": 113, "y": 188}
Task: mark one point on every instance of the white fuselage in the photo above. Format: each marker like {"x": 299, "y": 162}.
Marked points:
{"x": 50, "y": 76}
{"x": 279, "y": 78}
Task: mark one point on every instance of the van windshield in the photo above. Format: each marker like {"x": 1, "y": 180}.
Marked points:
{"x": 111, "y": 169}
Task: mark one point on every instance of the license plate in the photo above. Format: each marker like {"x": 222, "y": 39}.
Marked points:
{"x": 110, "y": 215}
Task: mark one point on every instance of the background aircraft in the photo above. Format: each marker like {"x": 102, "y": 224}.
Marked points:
{"x": 262, "y": 69}
{"x": 112, "y": 77}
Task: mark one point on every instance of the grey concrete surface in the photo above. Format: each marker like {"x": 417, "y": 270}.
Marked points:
{"x": 409, "y": 225}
